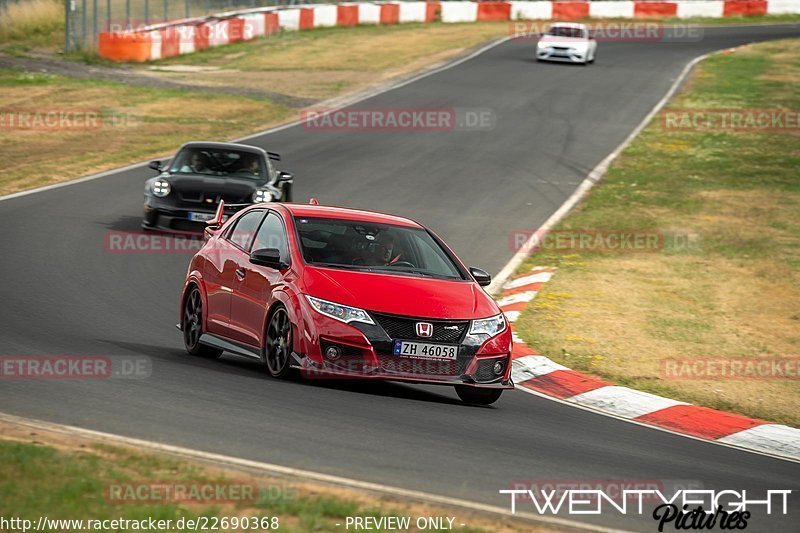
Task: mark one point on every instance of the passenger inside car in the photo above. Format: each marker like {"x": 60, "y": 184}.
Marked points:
{"x": 251, "y": 165}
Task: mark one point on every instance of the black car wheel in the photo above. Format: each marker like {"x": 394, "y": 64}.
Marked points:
{"x": 478, "y": 396}
{"x": 287, "y": 192}
{"x": 278, "y": 349}
{"x": 192, "y": 326}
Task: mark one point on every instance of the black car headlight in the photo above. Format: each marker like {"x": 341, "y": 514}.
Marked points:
{"x": 160, "y": 187}
{"x": 262, "y": 195}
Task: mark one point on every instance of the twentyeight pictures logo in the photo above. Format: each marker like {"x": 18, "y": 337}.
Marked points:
{"x": 683, "y": 509}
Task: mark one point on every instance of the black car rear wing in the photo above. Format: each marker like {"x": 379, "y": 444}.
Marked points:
{"x": 274, "y": 156}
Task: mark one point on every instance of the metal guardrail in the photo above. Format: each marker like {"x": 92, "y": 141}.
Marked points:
{"x": 85, "y": 19}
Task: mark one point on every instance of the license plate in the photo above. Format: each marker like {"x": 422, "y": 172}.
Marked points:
{"x": 201, "y": 217}
{"x": 425, "y": 351}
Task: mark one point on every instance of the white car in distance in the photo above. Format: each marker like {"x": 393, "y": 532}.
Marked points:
{"x": 568, "y": 42}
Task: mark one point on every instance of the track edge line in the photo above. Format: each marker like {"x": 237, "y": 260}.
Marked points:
{"x": 307, "y": 475}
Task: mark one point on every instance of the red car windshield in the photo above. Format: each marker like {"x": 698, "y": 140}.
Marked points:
{"x": 355, "y": 245}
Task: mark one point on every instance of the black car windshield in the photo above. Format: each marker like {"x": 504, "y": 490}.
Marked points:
{"x": 220, "y": 162}
{"x": 566, "y": 31}
{"x": 366, "y": 246}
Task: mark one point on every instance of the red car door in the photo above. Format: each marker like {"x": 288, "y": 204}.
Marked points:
{"x": 222, "y": 272}
{"x": 251, "y": 294}
{"x": 218, "y": 274}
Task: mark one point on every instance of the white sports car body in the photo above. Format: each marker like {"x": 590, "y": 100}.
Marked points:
{"x": 566, "y": 41}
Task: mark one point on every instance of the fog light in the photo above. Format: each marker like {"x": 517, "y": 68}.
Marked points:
{"x": 333, "y": 353}
{"x": 498, "y": 368}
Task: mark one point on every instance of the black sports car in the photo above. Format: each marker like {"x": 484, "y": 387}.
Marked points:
{"x": 185, "y": 194}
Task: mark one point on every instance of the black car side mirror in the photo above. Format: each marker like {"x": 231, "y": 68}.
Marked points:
{"x": 155, "y": 165}
{"x": 481, "y": 276}
{"x": 285, "y": 177}
{"x": 268, "y": 257}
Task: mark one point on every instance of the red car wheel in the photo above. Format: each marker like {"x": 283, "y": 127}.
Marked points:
{"x": 192, "y": 326}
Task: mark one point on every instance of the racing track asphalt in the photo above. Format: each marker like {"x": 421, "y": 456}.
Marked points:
{"x": 62, "y": 293}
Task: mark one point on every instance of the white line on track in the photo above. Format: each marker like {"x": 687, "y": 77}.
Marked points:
{"x": 301, "y": 475}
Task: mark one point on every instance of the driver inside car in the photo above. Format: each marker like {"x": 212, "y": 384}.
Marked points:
{"x": 251, "y": 166}
{"x": 198, "y": 164}
{"x": 386, "y": 250}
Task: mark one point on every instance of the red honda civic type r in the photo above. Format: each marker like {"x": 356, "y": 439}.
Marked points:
{"x": 343, "y": 293}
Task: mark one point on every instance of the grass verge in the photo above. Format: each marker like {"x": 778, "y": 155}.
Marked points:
{"x": 64, "y": 477}
{"x": 726, "y": 282}
{"x": 131, "y": 124}
{"x": 326, "y": 62}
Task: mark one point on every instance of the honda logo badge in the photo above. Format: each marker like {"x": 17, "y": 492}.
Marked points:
{"x": 424, "y": 329}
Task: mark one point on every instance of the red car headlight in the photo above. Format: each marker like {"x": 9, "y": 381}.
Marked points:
{"x": 343, "y": 313}
{"x": 488, "y": 327}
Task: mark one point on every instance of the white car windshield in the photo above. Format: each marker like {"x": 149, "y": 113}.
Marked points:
{"x": 565, "y": 31}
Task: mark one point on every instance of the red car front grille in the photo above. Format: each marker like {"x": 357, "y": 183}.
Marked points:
{"x": 393, "y": 364}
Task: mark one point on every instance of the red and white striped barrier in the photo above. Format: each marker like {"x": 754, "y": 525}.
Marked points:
{"x": 184, "y": 37}
{"x": 536, "y": 373}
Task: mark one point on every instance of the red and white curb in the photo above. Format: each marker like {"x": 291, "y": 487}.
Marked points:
{"x": 172, "y": 38}
{"x": 536, "y": 374}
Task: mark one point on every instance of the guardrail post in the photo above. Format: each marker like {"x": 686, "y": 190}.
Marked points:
{"x": 94, "y": 22}
{"x": 66, "y": 26}
{"x": 83, "y": 23}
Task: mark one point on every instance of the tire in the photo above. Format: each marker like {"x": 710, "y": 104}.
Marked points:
{"x": 278, "y": 344}
{"x": 192, "y": 326}
{"x": 287, "y": 192}
{"x": 476, "y": 396}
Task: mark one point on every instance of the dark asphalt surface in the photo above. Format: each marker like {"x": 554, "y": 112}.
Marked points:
{"x": 63, "y": 293}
